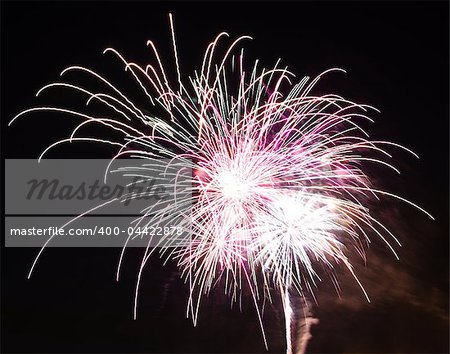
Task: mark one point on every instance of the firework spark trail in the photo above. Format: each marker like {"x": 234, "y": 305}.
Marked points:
{"x": 278, "y": 185}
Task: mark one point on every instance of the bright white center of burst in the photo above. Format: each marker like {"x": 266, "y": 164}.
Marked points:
{"x": 292, "y": 210}
{"x": 232, "y": 186}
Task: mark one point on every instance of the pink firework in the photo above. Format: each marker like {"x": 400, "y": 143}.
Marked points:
{"x": 278, "y": 187}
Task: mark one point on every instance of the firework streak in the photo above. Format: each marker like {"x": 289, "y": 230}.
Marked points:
{"x": 278, "y": 184}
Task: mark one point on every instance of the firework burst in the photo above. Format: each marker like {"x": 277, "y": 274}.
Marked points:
{"x": 278, "y": 184}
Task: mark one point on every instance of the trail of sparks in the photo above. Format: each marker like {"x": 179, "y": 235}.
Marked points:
{"x": 279, "y": 183}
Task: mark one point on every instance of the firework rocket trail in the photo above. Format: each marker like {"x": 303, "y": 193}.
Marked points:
{"x": 278, "y": 184}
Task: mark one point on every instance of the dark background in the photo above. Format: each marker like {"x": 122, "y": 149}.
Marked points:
{"x": 396, "y": 56}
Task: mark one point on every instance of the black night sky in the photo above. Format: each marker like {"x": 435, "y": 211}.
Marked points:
{"x": 397, "y": 59}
